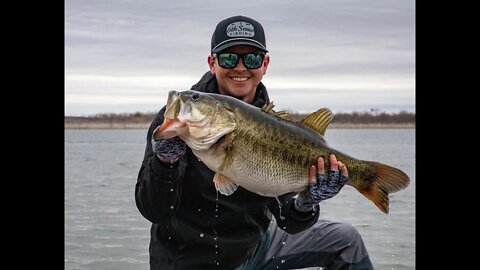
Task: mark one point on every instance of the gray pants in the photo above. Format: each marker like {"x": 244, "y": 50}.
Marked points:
{"x": 327, "y": 244}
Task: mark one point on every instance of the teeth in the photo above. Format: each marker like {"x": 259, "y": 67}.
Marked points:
{"x": 239, "y": 79}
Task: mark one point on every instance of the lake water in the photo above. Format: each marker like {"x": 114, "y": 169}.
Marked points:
{"x": 104, "y": 230}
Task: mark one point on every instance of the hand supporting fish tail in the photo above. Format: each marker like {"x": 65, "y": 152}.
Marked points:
{"x": 169, "y": 150}
{"x": 319, "y": 187}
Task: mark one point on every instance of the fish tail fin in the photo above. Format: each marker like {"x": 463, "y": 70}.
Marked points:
{"x": 386, "y": 180}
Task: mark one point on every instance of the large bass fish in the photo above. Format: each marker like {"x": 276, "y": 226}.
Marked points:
{"x": 263, "y": 151}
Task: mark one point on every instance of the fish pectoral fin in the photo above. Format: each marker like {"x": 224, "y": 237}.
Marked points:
{"x": 318, "y": 120}
{"x": 224, "y": 184}
{"x": 227, "y": 145}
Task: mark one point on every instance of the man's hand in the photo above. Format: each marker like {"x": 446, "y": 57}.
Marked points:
{"x": 321, "y": 188}
{"x": 169, "y": 150}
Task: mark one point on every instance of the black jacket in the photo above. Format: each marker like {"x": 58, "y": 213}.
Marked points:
{"x": 191, "y": 229}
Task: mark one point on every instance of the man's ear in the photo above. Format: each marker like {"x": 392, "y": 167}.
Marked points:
{"x": 266, "y": 61}
{"x": 211, "y": 64}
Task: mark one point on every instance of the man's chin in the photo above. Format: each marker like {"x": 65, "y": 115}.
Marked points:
{"x": 238, "y": 94}
{"x": 241, "y": 93}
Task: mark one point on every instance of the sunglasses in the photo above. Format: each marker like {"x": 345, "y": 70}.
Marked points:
{"x": 230, "y": 60}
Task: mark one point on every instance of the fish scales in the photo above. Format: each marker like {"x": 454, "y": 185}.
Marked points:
{"x": 285, "y": 155}
{"x": 278, "y": 159}
{"x": 263, "y": 152}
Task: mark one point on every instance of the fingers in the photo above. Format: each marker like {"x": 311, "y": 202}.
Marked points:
{"x": 321, "y": 165}
{"x": 343, "y": 169}
{"x": 333, "y": 163}
{"x": 338, "y": 165}
{"x": 323, "y": 186}
{"x": 313, "y": 174}
{"x": 313, "y": 170}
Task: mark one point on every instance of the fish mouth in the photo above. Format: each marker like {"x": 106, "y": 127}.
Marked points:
{"x": 172, "y": 97}
{"x": 175, "y": 127}
{"x": 199, "y": 122}
{"x": 168, "y": 129}
{"x": 172, "y": 125}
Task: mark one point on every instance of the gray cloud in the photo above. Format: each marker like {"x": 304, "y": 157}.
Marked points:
{"x": 124, "y": 56}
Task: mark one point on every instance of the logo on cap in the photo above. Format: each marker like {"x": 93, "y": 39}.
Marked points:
{"x": 240, "y": 29}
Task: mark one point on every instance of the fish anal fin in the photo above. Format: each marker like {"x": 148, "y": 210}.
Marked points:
{"x": 386, "y": 180}
{"x": 224, "y": 185}
{"x": 318, "y": 120}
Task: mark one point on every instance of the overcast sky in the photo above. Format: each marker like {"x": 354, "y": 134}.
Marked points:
{"x": 124, "y": 56}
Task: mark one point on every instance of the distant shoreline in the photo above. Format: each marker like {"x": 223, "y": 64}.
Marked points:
{"x": 139, "y": 120}
{"x": 113, "y": 125}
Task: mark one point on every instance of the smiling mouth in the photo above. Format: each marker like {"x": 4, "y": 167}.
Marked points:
{"x": 239, "y": 79}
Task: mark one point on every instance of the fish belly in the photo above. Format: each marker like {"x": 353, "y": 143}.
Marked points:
{"x": 267, "y": 177}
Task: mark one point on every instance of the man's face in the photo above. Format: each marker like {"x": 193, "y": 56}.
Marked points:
{"x": 238, "y": 82}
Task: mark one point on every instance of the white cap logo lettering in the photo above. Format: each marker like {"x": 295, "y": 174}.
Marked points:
{"x": 240, "y": 29}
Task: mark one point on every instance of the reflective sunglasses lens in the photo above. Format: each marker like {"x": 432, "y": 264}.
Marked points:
{"x": 227, "y": 60}
{"x": 252, "y": 61}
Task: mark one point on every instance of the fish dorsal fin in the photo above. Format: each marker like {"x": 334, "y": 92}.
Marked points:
{"x": 284, "y": 115}
{"x": 268, "y": 107}
{"x": 224, "y": 185}
{"x": 318, "y": 120}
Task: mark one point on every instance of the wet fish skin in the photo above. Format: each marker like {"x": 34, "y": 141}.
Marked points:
{"x": 262, "y": 151}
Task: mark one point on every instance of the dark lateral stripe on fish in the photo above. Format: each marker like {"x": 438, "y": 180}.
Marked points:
{"x": 274, "y": 145}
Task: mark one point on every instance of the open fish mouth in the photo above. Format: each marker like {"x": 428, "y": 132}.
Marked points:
{"x": 177, "y": 118}
{"x": 187, "y": 117}
{"x": 168, "y": 129}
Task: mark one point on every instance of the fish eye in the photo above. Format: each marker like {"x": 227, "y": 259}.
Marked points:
{"x": 195, "y": 96}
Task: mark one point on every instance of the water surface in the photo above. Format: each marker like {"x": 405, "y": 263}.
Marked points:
{"x": 104, "y": 230}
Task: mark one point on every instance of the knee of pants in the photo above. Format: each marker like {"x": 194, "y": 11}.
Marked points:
{"x": 348, "y": 233}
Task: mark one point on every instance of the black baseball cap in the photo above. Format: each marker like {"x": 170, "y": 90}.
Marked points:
{"x": 238, "y": 30}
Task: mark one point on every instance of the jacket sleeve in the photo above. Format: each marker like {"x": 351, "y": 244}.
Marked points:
{"x": 158, "y": 187}
{"x": 290, "y": 219}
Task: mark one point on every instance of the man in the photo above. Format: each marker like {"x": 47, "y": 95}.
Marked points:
{"x": 193, "y": 227}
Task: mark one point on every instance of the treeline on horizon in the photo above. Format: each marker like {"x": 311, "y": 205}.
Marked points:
{"x": 402, "y": 117}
